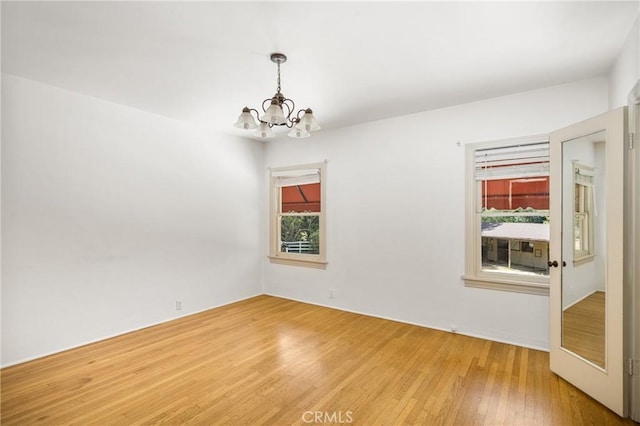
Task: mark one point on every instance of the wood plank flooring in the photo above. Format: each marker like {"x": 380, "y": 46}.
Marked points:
{"x": 273, "y": 361}
{"x": 583, "y": 326}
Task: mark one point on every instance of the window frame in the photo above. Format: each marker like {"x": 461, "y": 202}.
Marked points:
{"x": 474, "y": 276}
{"x": 585, "y": 211}
{"x": 296, "y": 259}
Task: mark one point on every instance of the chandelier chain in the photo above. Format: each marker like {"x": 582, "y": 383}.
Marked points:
{"x": 278, "y": 63}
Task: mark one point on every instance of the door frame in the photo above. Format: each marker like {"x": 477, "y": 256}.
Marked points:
{"x": 609, "y": 385}
{"x": 632, "y": 268}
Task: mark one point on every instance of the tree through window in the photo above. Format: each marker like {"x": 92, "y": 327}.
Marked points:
{"x": 300, "y": 218}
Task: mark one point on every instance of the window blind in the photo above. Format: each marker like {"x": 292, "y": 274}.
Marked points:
{"x": 583, "y": 176}
{"x": 510, "y": 162}
{"x": 295, "y": 177}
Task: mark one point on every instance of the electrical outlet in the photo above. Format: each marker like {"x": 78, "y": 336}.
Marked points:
{"x": 178, "y": 305}
{"x": 332, "y": 294}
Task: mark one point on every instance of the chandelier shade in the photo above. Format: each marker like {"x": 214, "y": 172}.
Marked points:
{"x": 298, "y": 133}
{"x": 308, "y": 122}
{"x": 279, "y": 112}
{"x": 274, "y": 115}
{"x": 264, "y": 131}
{"x": 246, "y": 120}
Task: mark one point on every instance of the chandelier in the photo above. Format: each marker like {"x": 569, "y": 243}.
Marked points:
{"x": 278, "y": 113}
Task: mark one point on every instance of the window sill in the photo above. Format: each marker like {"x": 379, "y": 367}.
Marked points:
{"x": 583, "y": 259}
{"x": 307, "y": 263}
{"x": 540, "y": 289}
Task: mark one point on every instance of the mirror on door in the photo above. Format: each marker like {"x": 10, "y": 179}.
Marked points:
{"x": 583, "y": 247}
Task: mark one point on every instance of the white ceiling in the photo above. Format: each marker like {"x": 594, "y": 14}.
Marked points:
{"x": 351, "y": 62}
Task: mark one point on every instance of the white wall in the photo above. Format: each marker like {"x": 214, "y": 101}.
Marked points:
{"x": 626, "y": 70}
{"x": 111, "y": 214}
{"x": 395, "y": 206}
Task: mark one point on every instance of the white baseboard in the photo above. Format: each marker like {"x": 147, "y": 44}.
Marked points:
{"x": 539, "y": 346}
{"x": 111, "y": 336}
{"x": 581, "y": 299}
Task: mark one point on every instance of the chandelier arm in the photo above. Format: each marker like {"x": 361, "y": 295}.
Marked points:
{"x": 290, "y": 106}
{"x": 257, "y": 114}
{"x": 299, "y": 111}
{"x": 264, "y": 102}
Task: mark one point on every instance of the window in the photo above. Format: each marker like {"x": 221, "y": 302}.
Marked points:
{"x": 527, "y": 246}
{"x": 507, "y": 215}
{"x": 297, "y": 216}
{"x": 583, "y": 212}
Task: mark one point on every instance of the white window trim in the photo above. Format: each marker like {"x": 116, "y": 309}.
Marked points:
{"x": 583, "y": 256}
{"x": 293, "y": 259}
{"x": 474, "y": 276}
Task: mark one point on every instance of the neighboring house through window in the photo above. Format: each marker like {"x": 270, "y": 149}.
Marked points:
{"x": 507, "y": 213}
{"x": 297, "y": 234}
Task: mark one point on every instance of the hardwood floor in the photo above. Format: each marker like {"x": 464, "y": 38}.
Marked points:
{"x": 583, "y": 328}
{"x": 273, "y": 361}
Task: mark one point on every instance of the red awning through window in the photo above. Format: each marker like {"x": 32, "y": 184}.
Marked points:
{"x": 301, "y": 198}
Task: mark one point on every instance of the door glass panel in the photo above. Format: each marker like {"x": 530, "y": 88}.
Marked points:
{"x": 584, "y": 287}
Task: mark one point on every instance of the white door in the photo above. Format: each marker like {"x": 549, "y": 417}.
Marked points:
{"x": 586, "y": 257}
